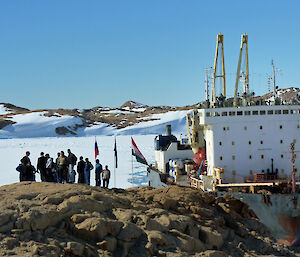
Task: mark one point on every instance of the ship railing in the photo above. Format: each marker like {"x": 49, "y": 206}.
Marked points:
{"x": 196, "y": 183}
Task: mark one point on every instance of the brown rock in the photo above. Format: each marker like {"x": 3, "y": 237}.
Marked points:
{"x": 213, "y": 239}
{"x": 74, "y": 248}
{"x": 130, "y": 232}
{"x": 213, "y": 253}
{"x": 109, "y": 243}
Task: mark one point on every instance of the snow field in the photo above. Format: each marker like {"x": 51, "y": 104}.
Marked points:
{"x": 12, "y": 150}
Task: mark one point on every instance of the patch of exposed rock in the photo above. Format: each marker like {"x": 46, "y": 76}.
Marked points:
{"x": 46, "y": 219}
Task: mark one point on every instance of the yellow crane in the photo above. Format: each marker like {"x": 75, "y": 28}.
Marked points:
{"x": 219, "y": 48}
{"x": 245, "y": 73}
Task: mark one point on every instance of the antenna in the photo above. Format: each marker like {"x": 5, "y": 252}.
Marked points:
{"x": 213, "y": 93}
{"x": 207, "y": 77}
{"x": 272, "y": 78}
{"x": 245, "y": 71}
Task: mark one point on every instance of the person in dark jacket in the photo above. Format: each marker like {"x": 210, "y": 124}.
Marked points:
{"x": 21, "y": 170}
{"x": 71, "y": 159}
{"x": 41, "y": 166}
{"x": 50, "y": 170}
{"x": 98, "y": 171}
{"x": 25, "y": 160}
{"x": 29, "y": 172}
{"x": 80, "y": 170}
{"x": 87, "y": 170}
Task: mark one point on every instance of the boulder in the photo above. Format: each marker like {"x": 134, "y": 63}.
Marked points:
{"x": 212, "y": 238}
{"x": 74, "y": 248}
{"x": 109, "y": 243}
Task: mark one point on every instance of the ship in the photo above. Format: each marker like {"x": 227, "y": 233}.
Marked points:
{"x": 238, "y": 145}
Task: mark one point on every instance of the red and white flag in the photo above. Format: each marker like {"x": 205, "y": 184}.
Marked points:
{"x": 137, "y": 153}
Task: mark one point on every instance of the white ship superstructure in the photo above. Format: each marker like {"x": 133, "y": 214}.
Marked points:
{"x": 240, "y": 141}
{"x": 248, "y": 140}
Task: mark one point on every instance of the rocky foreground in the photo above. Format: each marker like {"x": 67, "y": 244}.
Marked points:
{"x": 46, "y": 219}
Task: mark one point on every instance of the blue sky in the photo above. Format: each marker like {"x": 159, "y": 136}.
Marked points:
{"x": 80, "y": 54}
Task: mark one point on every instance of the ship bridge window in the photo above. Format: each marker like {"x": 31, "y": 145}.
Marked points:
{"x": 277, "y": 111}
{"x": 280, "y": 126}
{"x": 270, "y": 112}
{"x": 239, "y": 113}
{"x": 224, "y": 113}
{"x": 293, "y": 111}
{"x": 221, "y": 158}
{"x": 262, "y": 112}
{"x": 216, "y": 114}
{"x": 261, "y": 142}
{"x": 208, "y": 114}
{"x": 285, "y": 112}
{"x": 220, "y": 143}
{"x": 281, "y": 156}
{"x": 247, "y": 112}
{"x": 231, "y": 113}
{"x": 262, "y": 156}
{"x": 254, "y": 112}
{"x": 250, "y": 157}
{"x": 281, "y": 141}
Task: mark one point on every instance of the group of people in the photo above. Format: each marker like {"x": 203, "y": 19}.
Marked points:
{"x": 62, "y": 170}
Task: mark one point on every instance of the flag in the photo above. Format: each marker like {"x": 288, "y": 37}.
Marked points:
{"x": 116, "y": 154}
{"x": 96, "y": 149}
{"x": 136, "y": 152}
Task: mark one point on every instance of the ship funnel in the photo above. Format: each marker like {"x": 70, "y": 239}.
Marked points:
{"x": 168, "y": 130}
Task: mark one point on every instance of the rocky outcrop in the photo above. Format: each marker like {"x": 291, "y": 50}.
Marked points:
{"x": 47, "y": 219}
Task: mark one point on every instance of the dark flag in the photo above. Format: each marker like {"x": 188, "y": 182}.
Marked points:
{"x": 116, "y": 154}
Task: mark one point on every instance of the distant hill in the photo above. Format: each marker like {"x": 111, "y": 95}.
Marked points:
{"x": 130, "y": 118}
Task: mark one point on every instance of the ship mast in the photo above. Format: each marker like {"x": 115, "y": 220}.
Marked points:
{"x": 219, "y": 47}
{"x": 207, "y": 70}
{"x": 244, "y": 74}
{"x": 274, "y": 77}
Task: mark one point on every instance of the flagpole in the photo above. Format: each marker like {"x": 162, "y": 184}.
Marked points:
{"x": 131, "y": 165}
{"x": 115, "y": 165}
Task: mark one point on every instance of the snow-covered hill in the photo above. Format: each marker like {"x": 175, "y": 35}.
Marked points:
{"x": 49, "y": 124}
{"x": 131, "y": 118}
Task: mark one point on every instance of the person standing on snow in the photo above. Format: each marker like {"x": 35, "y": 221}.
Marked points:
{"x": 56, "y": 168}
{"x": 62, "y": 167}
{"x": 50, "y": 170}
{"x": 98, "y": 171}
{"x": 72, "y": 159}
{"x": 80, "y": 170}
{"x": 25, "y": 159}
{"x": 22, "y": 166}
{"x": 106, "y": 176}
{"x": 87, "y": 171}
{"x": 30, "y": 172}
{"x": 41, "y": 166}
